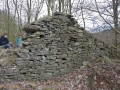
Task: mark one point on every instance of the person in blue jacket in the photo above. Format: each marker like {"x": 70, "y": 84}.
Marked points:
{"x": 19, "y": 41}
{"x": 4, "y": 42}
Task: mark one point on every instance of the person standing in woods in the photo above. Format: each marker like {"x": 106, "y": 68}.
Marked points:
{"x": 19, "y": 42}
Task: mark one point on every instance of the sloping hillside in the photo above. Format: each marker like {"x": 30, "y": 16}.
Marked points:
{"x": 51, "y": 51}
{"x": 8, "y": 25}
{"x": 106, "y": 36}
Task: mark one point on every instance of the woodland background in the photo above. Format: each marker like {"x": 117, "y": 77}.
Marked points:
{"x": 93, "y": 15}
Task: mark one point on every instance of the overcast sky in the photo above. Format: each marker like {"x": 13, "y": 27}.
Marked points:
{"x": 89, "y": 23}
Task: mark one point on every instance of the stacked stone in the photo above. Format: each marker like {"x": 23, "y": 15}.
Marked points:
{"x": 52, "y": 47}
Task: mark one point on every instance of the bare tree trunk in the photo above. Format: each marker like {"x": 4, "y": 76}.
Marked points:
{"x": 115, "y": 18}
{"x": 8, "y": 12}
{"x": 83, "y": 16}
{"x": 63, "y": 6}
{"x": 59, "y": 5}
{"x": 16, "y": 10}
{"x": 48, "y": 6}
{"x": 29, "y": 11}
{"x": 70, "y": 7}
{"x": 52, "y": 6}
{"x": 40, "y": 5}
{"x": 20, "y": 20}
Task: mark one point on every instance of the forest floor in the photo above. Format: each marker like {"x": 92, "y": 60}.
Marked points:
{"x": 94, "y": 76}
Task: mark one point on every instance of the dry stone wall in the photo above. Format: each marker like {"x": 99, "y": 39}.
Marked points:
{"x": 53, "y": 47}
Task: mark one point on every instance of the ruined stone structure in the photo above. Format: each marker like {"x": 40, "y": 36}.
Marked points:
{"x": 53, "y": 47}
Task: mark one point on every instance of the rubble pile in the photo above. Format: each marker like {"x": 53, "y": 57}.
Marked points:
{"x": 53, "y": 47}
